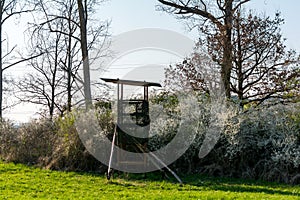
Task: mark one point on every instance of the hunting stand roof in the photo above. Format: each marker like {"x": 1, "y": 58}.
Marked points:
{"x": 131, "y": 82}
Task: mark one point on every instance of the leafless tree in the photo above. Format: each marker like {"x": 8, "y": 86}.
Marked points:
{"x": 262, "y": 67}
{"x": 59, "y": 32}
{"x": 44, "y": 84}
{"x": 63, "y": 21}
{"x": 84, "y": 31}
{"x": 210, "y": 17}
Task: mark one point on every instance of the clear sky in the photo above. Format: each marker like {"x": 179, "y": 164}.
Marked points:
{"x": 127, "y": 15}
{"x": 132, "y": 14}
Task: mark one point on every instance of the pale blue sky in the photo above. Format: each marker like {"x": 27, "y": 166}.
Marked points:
{"x": 127, "y": 15}
{"x": 133, "y": 14}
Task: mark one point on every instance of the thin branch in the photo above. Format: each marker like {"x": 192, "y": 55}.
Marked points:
{"x": 239, "y": 4}
{"x": 194, "y": 10}
{"x": 16, "y": 13}
{"x": 23, "y": 60}
{"x": 60, "y": 17}
{"x": 7, "y": 54}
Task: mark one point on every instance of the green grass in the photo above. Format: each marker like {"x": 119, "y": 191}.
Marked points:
{"x": 21, "y": 182}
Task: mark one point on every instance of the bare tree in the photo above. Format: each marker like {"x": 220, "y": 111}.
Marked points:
{"x": 44, "y": 84}
{"x": 210, "y": 17}
{"x": 76, "y": 17}
{"x": 263, "y": 68}
{"x": 64, "y": 23}
{"x": 58, "y": 33}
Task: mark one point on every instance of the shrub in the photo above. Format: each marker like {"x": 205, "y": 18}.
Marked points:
{"x": 45, "y": 143}
{"x": 69, "y": 153}
{"x": 29, "y": 142}
{"x": 205, "y": 116}
{"x": 8, "y": 140}
{"x": 260, "y": 143}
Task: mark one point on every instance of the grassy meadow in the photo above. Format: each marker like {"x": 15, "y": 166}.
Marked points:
{"x": 22, "y": 182}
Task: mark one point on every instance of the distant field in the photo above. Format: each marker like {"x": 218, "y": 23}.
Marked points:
{"x": 22, "y": 182}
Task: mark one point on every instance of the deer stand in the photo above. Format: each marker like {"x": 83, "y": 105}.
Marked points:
{"x": 132, "y": 129}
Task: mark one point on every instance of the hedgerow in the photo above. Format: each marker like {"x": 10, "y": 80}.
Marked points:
{"x": 258, "y": 143}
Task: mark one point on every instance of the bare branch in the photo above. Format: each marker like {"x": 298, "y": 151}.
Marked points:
{"x": 21, "y": 61}
{"x": 9, "y": 15}
{"x": 239, "y": 4}
{"x": 9, "y": 52}
{"x": 193, "y": 10}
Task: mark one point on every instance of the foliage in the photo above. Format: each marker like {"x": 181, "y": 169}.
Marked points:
{"x": 247, "y": 48}
{"x": 27, "y": 143}
{"x": 194, "y": 73}
{"x": 258, "y": 140}
{"x": 52, "y": 143}
{"x": 205, "y": 110}
{"x": 46, "y": 143}
{"x": 211, "y": 18}
{"x": 22, "y": 182}
{"x": 259, "y": 143}
{"x": 263, "y": 69}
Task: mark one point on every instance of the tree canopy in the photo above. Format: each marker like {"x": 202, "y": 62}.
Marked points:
{"x": 248, "y": 48}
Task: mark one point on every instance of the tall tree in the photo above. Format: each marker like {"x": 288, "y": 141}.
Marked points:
{"x": 57, "y": 32}
{"x": 263, "y": 68}
{"x": 83, "y": 17}
{"x": 64, "y": 21}
{"x": 44, "y": 84}
{"x": 211, "y": 17}
{"x": 76, "y": 16}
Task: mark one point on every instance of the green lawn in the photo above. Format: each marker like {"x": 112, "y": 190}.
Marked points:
{"x": 22, "y": 182}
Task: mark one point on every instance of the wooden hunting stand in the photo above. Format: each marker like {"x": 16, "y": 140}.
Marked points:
{"x": 132, "y": 117}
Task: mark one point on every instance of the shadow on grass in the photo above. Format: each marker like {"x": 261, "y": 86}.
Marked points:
{"x": 228, "y": 187}
{"x": 202, "y": 182}
{"x": 241, "y": 185}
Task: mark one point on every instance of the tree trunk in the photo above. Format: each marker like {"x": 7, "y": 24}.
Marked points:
{"x": 85, "y": 57}
{"x": 239, "y": 63}
{"x": 53, "y": 88}
{"x": 69, "y": 67}
{"x": 227, "y": 49}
